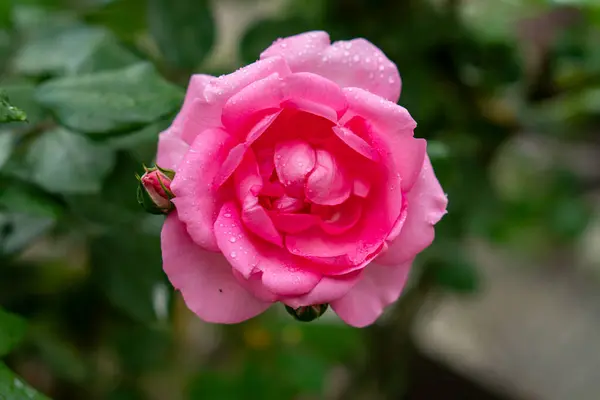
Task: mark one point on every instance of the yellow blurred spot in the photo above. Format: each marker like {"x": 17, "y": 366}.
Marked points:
{"x": 257, "y": 337}
{"x": 498, "y": 110}
{"x": 291, "y": 335}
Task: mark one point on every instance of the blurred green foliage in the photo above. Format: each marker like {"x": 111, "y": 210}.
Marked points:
{"x": 91, "y": 313}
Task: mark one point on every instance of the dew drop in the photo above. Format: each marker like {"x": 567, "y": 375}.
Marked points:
{"x": 356, "y": 58}
{"x": 232, "y": 239}
{"x": 391, "y": 79}
{"x": 227, "y": 215}
{"x": 233, "y": 254}
{"x": 381, "y": 67}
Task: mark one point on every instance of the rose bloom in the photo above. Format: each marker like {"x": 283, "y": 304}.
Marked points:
{"x": 298, "y": 180}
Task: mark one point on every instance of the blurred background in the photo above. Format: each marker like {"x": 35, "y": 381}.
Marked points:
{"x": 504, "y": 305}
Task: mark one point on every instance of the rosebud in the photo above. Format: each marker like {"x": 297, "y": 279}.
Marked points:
{"x": 307, "y": 313}
{"x": 154, "y": 190}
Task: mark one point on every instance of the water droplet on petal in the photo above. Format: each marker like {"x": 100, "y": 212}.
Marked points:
{"x": 227, "y": 215}
{"x": 381, "y": 67}
{"x": 356, "y": 58}
{"x": 232, "y": 239}
{"x": 391, "y": 79}
{"x": 233, "y": 254}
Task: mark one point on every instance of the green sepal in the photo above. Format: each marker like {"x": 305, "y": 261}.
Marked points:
{"x": 307, "y": 313}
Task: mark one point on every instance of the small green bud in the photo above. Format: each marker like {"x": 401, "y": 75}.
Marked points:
{"x": 154, "y": 191}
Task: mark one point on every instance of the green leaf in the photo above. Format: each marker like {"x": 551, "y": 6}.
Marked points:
{"x": 184, "y": 30}
{"x": 111, "y": 101}
{"x": 14, "y": 388}
{"x": 22, "y": 96}
{"x": 107, "y": 55}
{"x": 7, "y": 144}
{"x": 18, "y": 230}
{"x": 20, "y": 198}
{"x": 8, "y": 112}
{"x": 12, "y": 330}
{"x": 125, "y": 18}
{"x": 141, "y": 144}
{"x": 61, "y": 161}
{"x": 5, "y": 49}
{"x": 128, "y": 269}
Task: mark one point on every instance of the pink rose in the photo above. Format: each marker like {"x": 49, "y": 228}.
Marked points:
{"x": 298, "y": 180}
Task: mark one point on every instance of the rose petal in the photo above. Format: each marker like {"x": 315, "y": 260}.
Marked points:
{"x": 355, "y": 63}
{"x": 200, "y": 117}
{"x": 330, "y": 288}
{"x": 386, "y": 117}
{"x": 261, "y": 126}
{"x": 293, "y": 223}
{"x": 204, "y": 278}
{"x": 196, "y": 198}
{"x": 195, "y": 91}
{"x": 328, "y": 183}
{"x": 286, "y": 204}
{"x": 248, "y": 184}
{"x": 294, "y": 160}
{"x": 299, "y": 51}
{"x": 343, "y": 217}
{"x": 378, "y": 287}
{"x": 311, "y": 107}
{"x": 257, "y": 221}
{"x": 282, "y": 273}
{"x": 315, "y": 89}
{"x": 246, "y": 179}
{"x": 255, "y": 286}
{"x": 171, "y": 151}
{"x": 356, "y": 143}
{"x": 230, "y": 164}
{"x": 403, "y": 154}
{"x": 361, "y": 187}
{"x": 350, "y": 250}
{"x": 223, "y": 87}
{"x": 426, "y": 205}
{"x": 244, "y": 106}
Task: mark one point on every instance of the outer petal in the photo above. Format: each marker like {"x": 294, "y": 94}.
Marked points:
{"x": 426, "y": 205}
{"x": 385, "y": 116}
{"x": 330, "y": 288}
{"x": 300, "y": 51}
{"x": 282, "y": 273}
{"x": 171, "y": 151}
{"x": 195, "y": 91}
{"x": 171, "y": 146}
{"x": 222, "y": 88}
{"x": 205, "y": 279}
{"x": 195, "y": 196}
{"x": 378, "y": 287}
{"x": 355, "y": 63}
